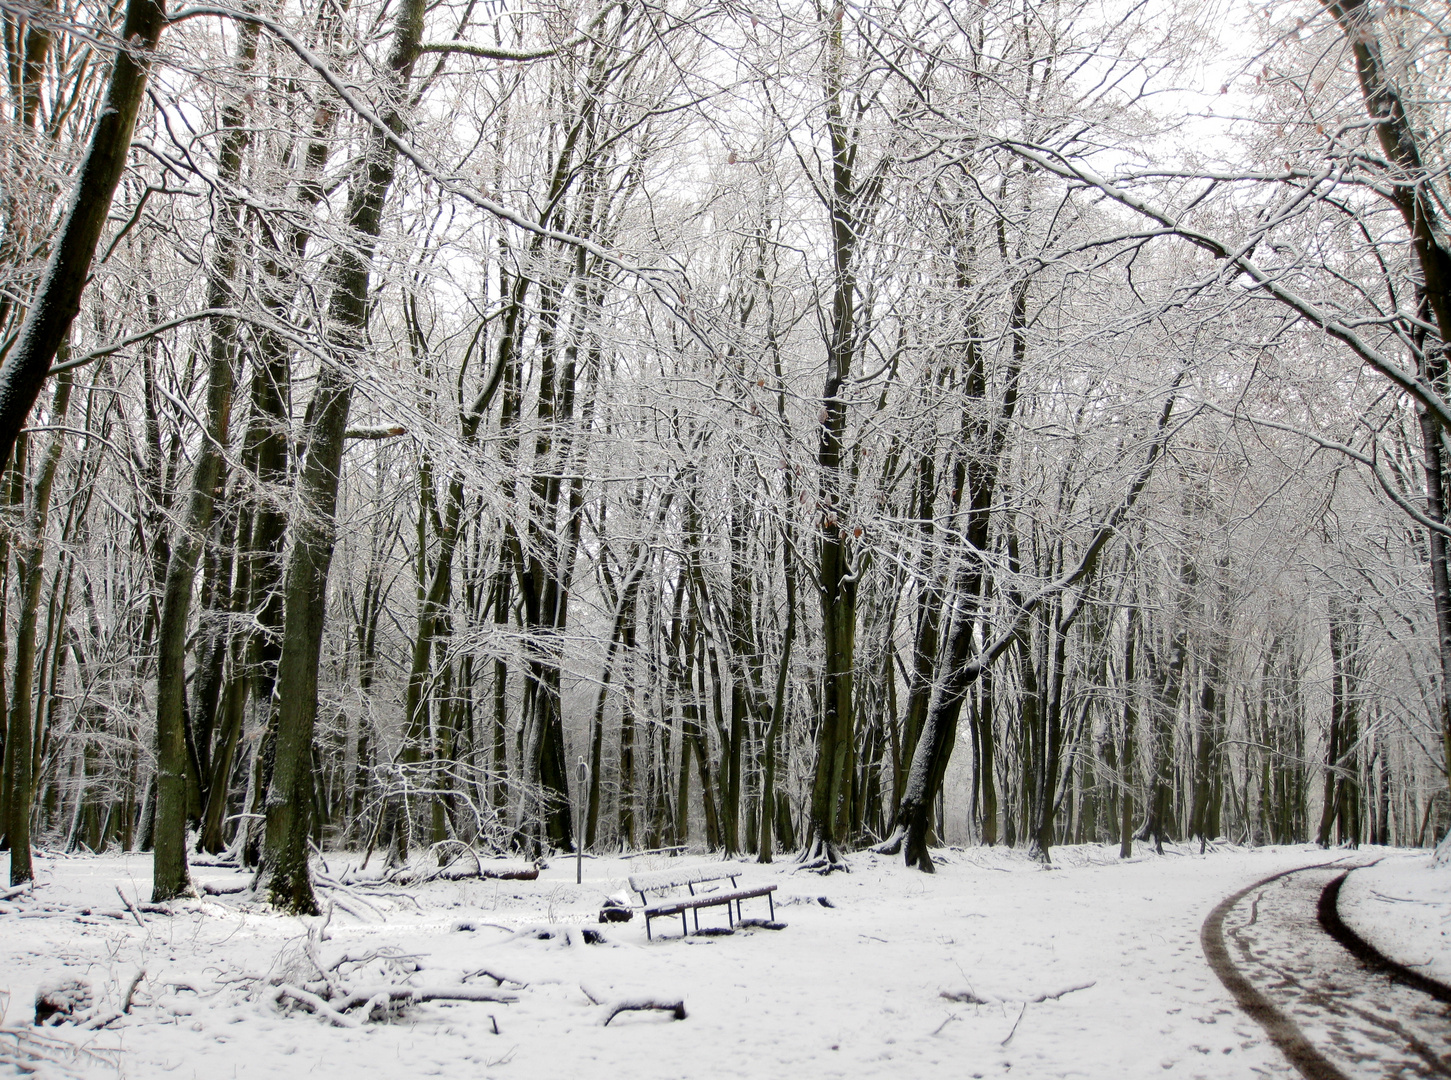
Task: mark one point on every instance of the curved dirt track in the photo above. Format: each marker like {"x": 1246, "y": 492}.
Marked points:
{"x": 1331, "y": 1004}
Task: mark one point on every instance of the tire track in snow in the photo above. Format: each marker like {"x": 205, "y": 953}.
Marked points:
{"x": 1329, "y": 1002}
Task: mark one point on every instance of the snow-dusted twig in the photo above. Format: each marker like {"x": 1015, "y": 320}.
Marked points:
{"x": 354, "y": 912}
{"x": 315, "y": 1004}
{"x": 13, "y": 891}
{"x": 971, "y": 997}
{"x": 335, "y": 988}
{"x": 499, "y": 980}
{"x": 950, "y": 1018}
{"x": 131, "y": 906}
{"x": 409, "y": 994}
{"x": 387, "y": 953}
{"x": 1016, "y": 1022}
{"x": 100, "y": 1020}
{"x": 24, "y": 1049}
{"x": 572, "y": 935}
{"x": 131, "y": 989}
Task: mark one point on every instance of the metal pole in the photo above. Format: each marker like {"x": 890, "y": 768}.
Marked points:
{"x": 583, "y": 773}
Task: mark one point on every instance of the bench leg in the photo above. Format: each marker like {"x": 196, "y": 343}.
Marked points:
{"x": 685, "y": 926}
{"x": 772, "y": 902}
{"x": 647, "y": 929}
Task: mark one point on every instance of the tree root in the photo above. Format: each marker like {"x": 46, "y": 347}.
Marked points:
{"x": 892, "y": 845}
{"x": 822, "y": 856}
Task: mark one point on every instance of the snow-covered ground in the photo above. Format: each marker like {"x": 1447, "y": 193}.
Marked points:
{"x": 1402, "y": 906}
{"x": 854, "y": 989}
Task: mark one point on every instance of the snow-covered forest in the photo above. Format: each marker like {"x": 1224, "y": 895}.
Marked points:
{"x": 774, "y": 429}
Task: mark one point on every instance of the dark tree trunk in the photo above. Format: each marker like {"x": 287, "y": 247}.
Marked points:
{"x": 284, "y": 872}
{"x": 170, "y": 878}
{"x": 57, "y": 298}
{"x": 20, "y": 746}
{"x": 1413, "y": 195}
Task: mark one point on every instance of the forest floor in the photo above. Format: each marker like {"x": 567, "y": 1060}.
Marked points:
{"x": 855, "y": 985}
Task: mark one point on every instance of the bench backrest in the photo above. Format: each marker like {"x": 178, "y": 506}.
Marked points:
{"x": 679, "y": 879}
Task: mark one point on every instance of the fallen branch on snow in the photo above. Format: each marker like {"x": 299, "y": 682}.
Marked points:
{"x": 412, "y": 994}
{"x": 314, "y": 1004}
{"x": 612, "y": 1009}
{"x": 131, "y": 906}
{"x": 448, "y": 868}
{"x": 230, "y": 888}
{"x": 578, "y": 936}
{"x": 1016, "y": 1022}
{"x": 971, "y": 997}
{"x": 499, "y": 980}
{"x": 330, "y": 998}
{"x": 28, "y": 1051}
{"x": 131, "y": 990}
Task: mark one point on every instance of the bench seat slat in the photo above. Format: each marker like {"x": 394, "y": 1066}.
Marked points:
{"x": 715, "y": 899}
{"x": 679, "y": 879}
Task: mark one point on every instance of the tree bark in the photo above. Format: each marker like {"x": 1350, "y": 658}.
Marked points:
{"x": 57, "y": 297}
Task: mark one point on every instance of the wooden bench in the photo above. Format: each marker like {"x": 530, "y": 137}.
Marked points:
{"x": 689, "y": 878}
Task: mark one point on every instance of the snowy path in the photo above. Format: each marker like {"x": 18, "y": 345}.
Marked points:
{"x": 1333, "y": 1016}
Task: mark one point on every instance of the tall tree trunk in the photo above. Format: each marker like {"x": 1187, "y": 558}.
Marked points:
{"x": 837, "y": 576}
{"x": 30, "y": 568}
{"x": 1414, "y": 197}
{"x": 57, "y": 297}
{"x": 170, "y": 877}
{"x": 1127, "y": 756}
{"x": 778, "y": 703}
{"x": 284, "y": 871}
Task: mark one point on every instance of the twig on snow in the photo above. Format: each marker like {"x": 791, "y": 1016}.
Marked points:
{"x": 499, "y": 980}
{"x": 131, "y": 906}
{"x": 315, "y": 1004}
{"x": 31, "y": 1049}
{"x": 334, "y": 988}
{"x": 1016, "y": 1022}
{"x": 971, "y": 997}
{"x": 354, "y": 912}
{"x": 422, "y": 993}
{"x": 950, "y": 1017}
{"x": 131, "y": 990}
